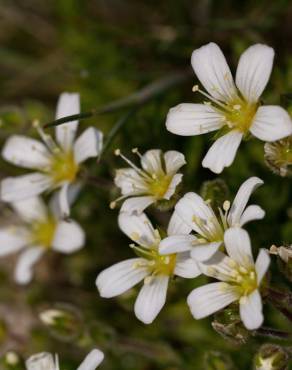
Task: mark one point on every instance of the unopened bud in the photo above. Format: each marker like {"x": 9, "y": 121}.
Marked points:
{"x": 216, "y": 191}
{"x": 271, "y": 357}
{"x": 278, "y": 156}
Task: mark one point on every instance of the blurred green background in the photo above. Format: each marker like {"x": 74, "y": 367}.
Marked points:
{"x": 108, "y": 50}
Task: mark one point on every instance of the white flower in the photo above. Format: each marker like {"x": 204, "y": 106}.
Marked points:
{"x": 240, "y": 281}
{"x": 234, "y": 109}
{"x": 156, "y": 180}
{"x": 154, "y": 269}
{"x": 209, "y": 228}
{"x": 46, "y": 361}
{"x": 56, "y": 165}
{"x": 40, "y": 230}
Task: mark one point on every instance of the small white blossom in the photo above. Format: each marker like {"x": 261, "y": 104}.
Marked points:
{"x": 40, "y": 229}
{"x": 46, "y": 361}
{"x": 234, "y": 109}
{"x": 240, "y": 281}
{"x": 156, "y": 180}
{"x": 55, "y": 165}
{"x": 150, "y": 266}
{"x": 209, "y": 229}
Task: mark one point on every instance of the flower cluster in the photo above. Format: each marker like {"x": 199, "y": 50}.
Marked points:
{"x": 199, "y": 238}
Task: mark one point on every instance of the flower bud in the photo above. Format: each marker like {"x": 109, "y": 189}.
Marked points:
{"x": 64, "y": 323}
{"x": 284, "y": 254}
{"x": 278, "y": 156}
{"x": 271, "y": 357}
{"x": 216, "y": 191}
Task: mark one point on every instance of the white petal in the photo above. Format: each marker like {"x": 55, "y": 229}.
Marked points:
{"x": 26, "y": 152}
{"x": 213, "y": 72}
{"x": 241, "y": 199}
{"x": 210, "y": 298}
{"x": 251, "y": 308}
{"x": 193, "y": 119}
{"x": 238, "y": 247}
{"x": 64, "y": 200}
{"x": 41, "y": 361}
{"x": 254, "y": 70}
{"x": 151, "y": 299}
{"x": 72, "y": 193}
{"x": 151, "y": 161}
{"x": 68, "y": 104}
{"x": 26, "y": 261}
{"x": 177, "y": 226}
{"x": 173, "y": 161}
{"x": 251, "y": 213}
{"x": 218, "y": 266}
{"x": 92, "y": 360}
{"x": 222, "y": 152}
{"x": 69, "y": 237}
{"x": 190, "y": 206}
{"x": 186, "y": 267}
{"x": 271, "y": 123}
{"x": 176, "y": 244}
{"x": 31, "y": 209}
{"x": 130, "y": 182}
{"x": 120, "y": 277}
{"x": 137, "y": 204}
{"x": 204, "y": 252}
{"x": 14, "y": 189}
{"x": 12, "y": 239}
{"x": 172, "y": 186}
{"x": 138, "y": 228}
{"x": 262, "y": 264}
{"x": 88, "y": 144}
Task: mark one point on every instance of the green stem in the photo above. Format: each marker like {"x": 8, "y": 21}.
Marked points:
{"x": 140, "y": 97}
{"x": 273, "y": 333}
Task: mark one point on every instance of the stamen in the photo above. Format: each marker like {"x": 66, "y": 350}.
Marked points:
{"x": 217, "y": 102}
{"x": 131, "y": 164}
{"x": 45, "y": 137}
{"x": 226, "y": 205}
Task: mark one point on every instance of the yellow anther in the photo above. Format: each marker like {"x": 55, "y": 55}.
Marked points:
{"x": 135, "y": 236}
{"x": 195, "y": 88}
{"x": 231, "y": 263}
{"x": 112, "y": 205}
{"x": 36, "y": 123}
{"x": 117, "y": 152}
{"x": 243, "y": 270}
{"x": 226, "y": 205}
{"x": 135, "y": 150}
{"x": 148, "y": 279}
{"x": 237, "y": 107}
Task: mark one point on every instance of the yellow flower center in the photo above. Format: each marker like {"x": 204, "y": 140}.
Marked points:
{"x": 162, "y": 265}
{"x": 240, "y": 115}
{"x": 246, "y": 280}
{"x": 159, "y": 185}
{"x": 42, "y": 233}
{"x": 63, "y": 167}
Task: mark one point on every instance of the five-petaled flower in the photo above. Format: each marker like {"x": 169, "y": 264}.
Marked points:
{"x": 56, "y": 164}
{"x": 39, "y": 230}
{"x": 150, "y": 266}
{"x": 235, "y": 110}
{"x": 156, "y": 180}
{"x": 240, "y": 281}
{"x": 208, "y": 227}
{"x": 46, "y": 361}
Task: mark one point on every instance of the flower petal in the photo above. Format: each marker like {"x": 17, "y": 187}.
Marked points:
{"x": 219, "y": 266}
{"x": 251, "y": 308}
{"x": 213, "y": 72}
{"x": 172, "y": 186}
{"x": 177, "y": 226}
{"x": 69, "y": 237}
{"x": 210, "y": 298}
{"x": 174, "y": 160}
{"x": 241, "y": 199}
{"x": 68, "y": 104}
{"x": 176, "y": 244}
{"x": 26, "y": 261}
{"x": 254, "y": 70}
{"x": 138, "y": 228}
{"x": 12, "y": 239}
{"x": 186, "y": 267}
{"x": 137, "y": 204}
{"x": 92, "y": 360}
{"x": 14, "y": 189}
{"x": 238, "y": 247}
{"x": 193, "y": 119}
{"x": 72, "y": 193}
{"x": 88, "y": 144}
{"x": 222, "y": 152}
{"x": 251, "y": 213}
{"x": 191, "y": 207}
{"x": 204, "y": 252}
{"x": 151, "y": 161}
{"x": 64, "y": 200}
{"x": 151, "y": 299}
{"x": 120, "y": 277}
{"x": 271, "y": 123}
{"x": 31, "y": 209}
{"x": 26, "y": 152}
{"x": 262, "y": 264}
{"x": 130, "y": 182}
{"x": 42, "y": 360}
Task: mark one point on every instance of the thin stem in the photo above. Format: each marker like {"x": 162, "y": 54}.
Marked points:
{"x": 140, "y": 97}
{"x": 272, "y": 333}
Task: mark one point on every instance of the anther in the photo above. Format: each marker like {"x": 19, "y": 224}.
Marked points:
{"x": 226, "y": 205}
{"x": 135, "y": 236}
{"x": 113, "y": 205}
{"x": 237, "y": 107}
{"x": 195, "y": 88}
{"x": 117, "y": 152}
